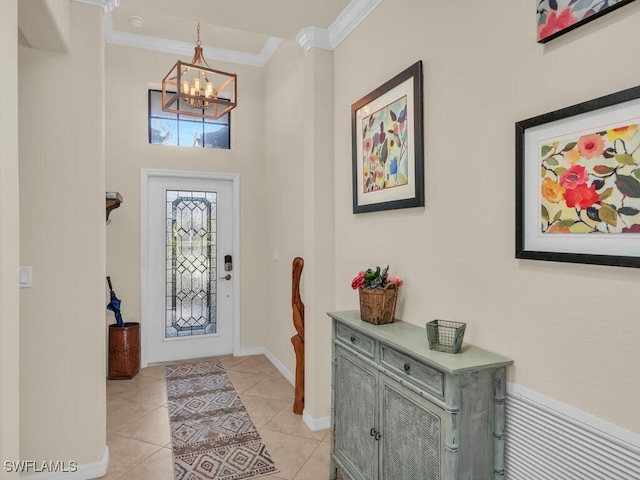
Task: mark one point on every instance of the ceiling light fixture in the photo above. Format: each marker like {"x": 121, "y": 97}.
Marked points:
{"x": 198, "y": 90}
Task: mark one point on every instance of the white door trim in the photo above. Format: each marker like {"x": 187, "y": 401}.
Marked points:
{"x": 145, "y": 175}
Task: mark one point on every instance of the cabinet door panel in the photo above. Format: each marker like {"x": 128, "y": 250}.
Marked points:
{"x": 355, "y": 413}
{"x": 412, "y": 435}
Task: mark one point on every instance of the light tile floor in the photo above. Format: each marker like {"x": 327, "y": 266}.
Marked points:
{"x": 138, "y": 423}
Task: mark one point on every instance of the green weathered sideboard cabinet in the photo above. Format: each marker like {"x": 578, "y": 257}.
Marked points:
{"x": 400, "y": 411}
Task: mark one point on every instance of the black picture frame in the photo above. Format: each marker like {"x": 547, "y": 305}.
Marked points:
{"x": 579, "y": 23}
{"x": 402, "y": 133}
{"x": 533, "y": 137}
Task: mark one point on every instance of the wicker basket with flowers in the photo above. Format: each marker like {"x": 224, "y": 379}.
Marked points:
{"x": 378, "y": 294}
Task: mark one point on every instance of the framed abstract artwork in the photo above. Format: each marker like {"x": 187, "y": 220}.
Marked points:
{"x": 578, "y": 183}
{"x": 387, "y": 147}
{"x": 556, "y": 17}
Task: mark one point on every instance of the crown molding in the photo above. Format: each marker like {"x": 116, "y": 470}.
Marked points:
{"x": 268, "y": 49}
{"x": 136, "y": 40}
{"x": 106, "y": 5}
{"x": 308, "y": 38}
{"x": 314, "y": 37}
{"x": 329, "y": 38}
{"x": 350, "y": 18}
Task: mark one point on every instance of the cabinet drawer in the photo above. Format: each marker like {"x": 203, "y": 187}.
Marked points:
{"x": 414, "y": 371}
{"x": 356, "y": 340}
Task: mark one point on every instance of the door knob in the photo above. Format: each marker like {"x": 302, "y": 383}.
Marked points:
{"x": 226, "y": 277}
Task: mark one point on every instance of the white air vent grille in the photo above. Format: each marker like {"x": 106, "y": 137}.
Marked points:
{"x": 545, "y": 444}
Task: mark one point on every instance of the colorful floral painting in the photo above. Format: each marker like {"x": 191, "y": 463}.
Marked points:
{"x": 559, "y": 16}
{"x": 384, "y": 147}
{"x": 387, "y": 160}
{"x": 591, "y": 183}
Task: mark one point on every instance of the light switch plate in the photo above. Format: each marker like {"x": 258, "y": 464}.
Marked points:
{"x": 25, "y": 277}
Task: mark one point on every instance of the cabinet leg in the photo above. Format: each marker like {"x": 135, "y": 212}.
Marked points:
{"x": 333, "y": 470}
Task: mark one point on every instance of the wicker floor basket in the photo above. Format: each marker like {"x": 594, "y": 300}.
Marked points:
{"x": 124, "y": 351}
{"x": 378, "y": 305}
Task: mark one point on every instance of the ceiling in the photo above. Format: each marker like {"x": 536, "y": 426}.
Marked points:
{"x": 241, "y": 31}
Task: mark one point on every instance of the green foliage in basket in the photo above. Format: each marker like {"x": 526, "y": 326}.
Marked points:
{"x": 378, "y": 278}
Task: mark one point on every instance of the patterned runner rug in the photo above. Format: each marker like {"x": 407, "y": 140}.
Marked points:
{"x": 212, "y": 435}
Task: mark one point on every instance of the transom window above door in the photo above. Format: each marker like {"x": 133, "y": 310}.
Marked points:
{"x": 168, "y": 128}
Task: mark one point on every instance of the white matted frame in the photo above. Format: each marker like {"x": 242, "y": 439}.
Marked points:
{"x": 533, "y": 138}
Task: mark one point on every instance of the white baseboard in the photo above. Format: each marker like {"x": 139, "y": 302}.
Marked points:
{"x": 281, "y": 367}
{"x": 272, "y": 358}
{"x": 316, "y": 424}
{"x": 84, "y": 471}
{"x": 247, "y": 352}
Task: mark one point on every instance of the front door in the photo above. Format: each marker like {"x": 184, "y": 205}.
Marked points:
{"x": 189, "y": 301}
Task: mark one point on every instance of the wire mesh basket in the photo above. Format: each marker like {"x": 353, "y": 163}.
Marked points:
{"x": 445, "y": 336}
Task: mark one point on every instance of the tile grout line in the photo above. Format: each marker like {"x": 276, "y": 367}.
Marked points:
{"x": 137, "y": 464}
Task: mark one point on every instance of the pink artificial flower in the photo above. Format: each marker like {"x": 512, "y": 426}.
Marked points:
{"x": 395, "y": 280}
{"x": 358, "y": 282}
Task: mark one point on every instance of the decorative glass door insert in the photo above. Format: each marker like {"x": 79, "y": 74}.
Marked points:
{"x": 191, "y": 260}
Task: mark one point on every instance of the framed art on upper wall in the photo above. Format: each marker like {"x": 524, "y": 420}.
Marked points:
{"x": 556, "y": 17}
{"x": 387, "y": 147}
{"x": 578, "y": 183}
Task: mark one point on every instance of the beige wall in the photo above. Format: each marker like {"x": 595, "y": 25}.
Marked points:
{"x": 9, "y": 238}
{"x": 299, "y": 140}
{"x": 573, "y": 330}
{"x": 318, "y": 228}
{"x": 62, "y": 231}
{"x": 46, "y": 24}
{"x": 129, "y": 74}
{"x": 284, "y": 86}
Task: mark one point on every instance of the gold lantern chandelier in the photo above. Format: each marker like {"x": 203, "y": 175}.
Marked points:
{"x": 198, "y": 90}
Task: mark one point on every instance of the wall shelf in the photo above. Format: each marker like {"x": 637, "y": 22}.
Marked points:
{"x": 114, "y": 199}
